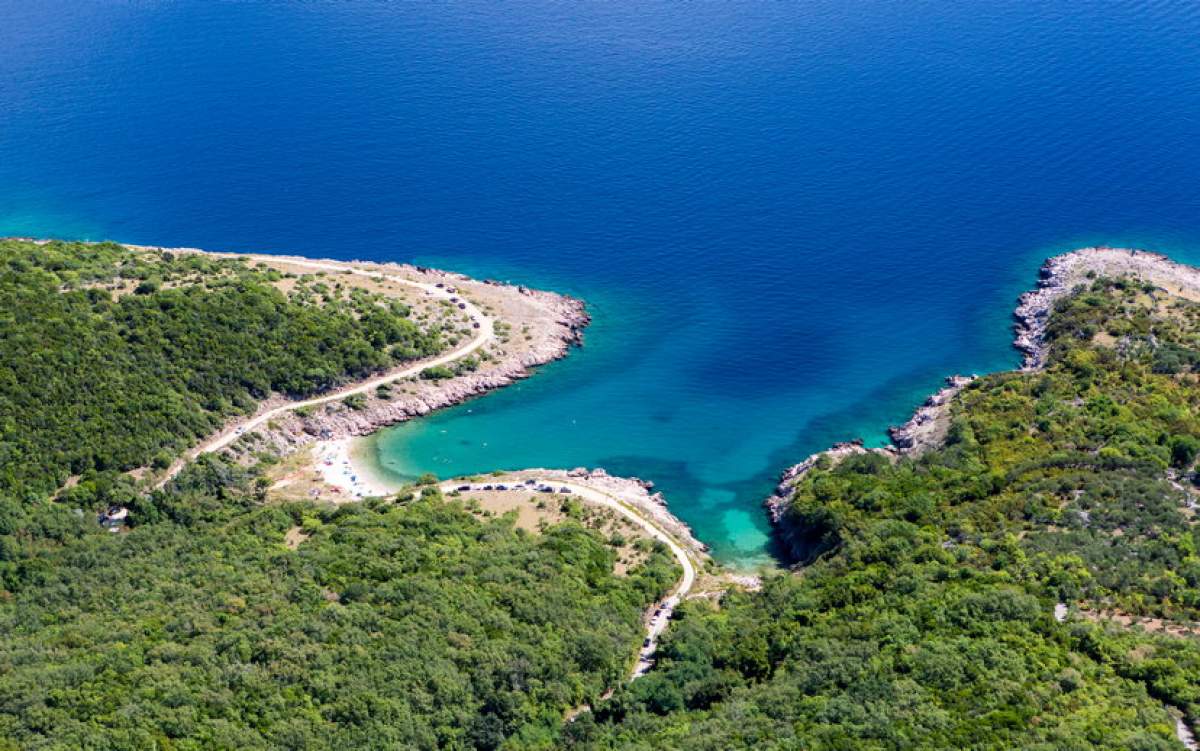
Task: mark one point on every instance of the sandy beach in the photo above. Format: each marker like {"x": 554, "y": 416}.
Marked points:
{"x": 341, "y": 464}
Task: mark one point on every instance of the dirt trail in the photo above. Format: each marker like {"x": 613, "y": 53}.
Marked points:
{"x": 484, "y": 334}
{"x": 659, "y": 613}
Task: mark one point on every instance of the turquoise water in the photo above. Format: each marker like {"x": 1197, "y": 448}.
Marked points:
{"x": 715, "y": 455}
{"x": 789, "y": 220}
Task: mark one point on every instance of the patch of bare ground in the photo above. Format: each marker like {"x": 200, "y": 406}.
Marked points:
{"x": 294, "y": 537}
{"x": 1150, "y": 625}
{"x": 294, "y": 477}
{"x": 713, "y": 584}
{"x": 322, "y": 287}
{"x": 534, "y": 512}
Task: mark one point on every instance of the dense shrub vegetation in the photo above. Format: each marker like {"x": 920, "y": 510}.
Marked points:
{"x": 393, "y": 625}
{"x": 925, "y": 616}
{"x": 112, "y": 358}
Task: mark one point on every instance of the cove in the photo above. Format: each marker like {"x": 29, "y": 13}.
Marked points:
{"x": 790, "y": 220}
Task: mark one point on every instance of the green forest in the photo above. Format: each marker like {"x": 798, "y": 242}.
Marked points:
{"x": 115, "y": 359}
{"x": 922, "y": 615}
{"x": 923, "y": 610}
{"x": 408, "y": 623}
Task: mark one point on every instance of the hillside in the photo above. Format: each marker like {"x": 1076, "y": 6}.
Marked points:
{"x": 221, "y": 622}
{"x": 212, "y": 616}
{"x": 116, "y": 359}
{"x": 1019, "y": 571}
{"x": 1032, "y": 582}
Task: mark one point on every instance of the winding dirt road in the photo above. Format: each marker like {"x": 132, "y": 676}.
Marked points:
{"x": 484, "y": 334}
{"x": 661, "y": 612}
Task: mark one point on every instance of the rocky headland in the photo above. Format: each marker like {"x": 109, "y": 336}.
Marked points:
{"x": 926, "y": 429}
{"x": 1059, "y": 276}
{"x": 532, "y": 328}
{"x": 561, "y": 329}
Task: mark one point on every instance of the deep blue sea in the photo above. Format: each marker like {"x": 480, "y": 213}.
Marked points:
{"x": 791, "y": 219}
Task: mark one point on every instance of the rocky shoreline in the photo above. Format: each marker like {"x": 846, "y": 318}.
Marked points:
{"x": 1058, "y": 277}
{"x": 550, "y": 325}
{"x": 561, "y": 330}
{"x": 639, "y": 494}
{"x": 777, "y": 502}
{"x": 1062, "y": 274}
{"x": 926, "y": 429}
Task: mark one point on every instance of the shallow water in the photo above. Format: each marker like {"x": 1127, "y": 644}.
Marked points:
{"x": 790, "y": 220}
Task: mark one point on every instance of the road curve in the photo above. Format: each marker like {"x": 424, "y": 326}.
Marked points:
{"x": 662, "y": 611}
{"x": 483, "y": 335}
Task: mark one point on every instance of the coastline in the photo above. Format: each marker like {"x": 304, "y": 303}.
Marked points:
{"x": 516, "y": 329}
{"x": 331, "y": 431}
{"x": 355, "y": 472}
{"x": 1058, "y": 276}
